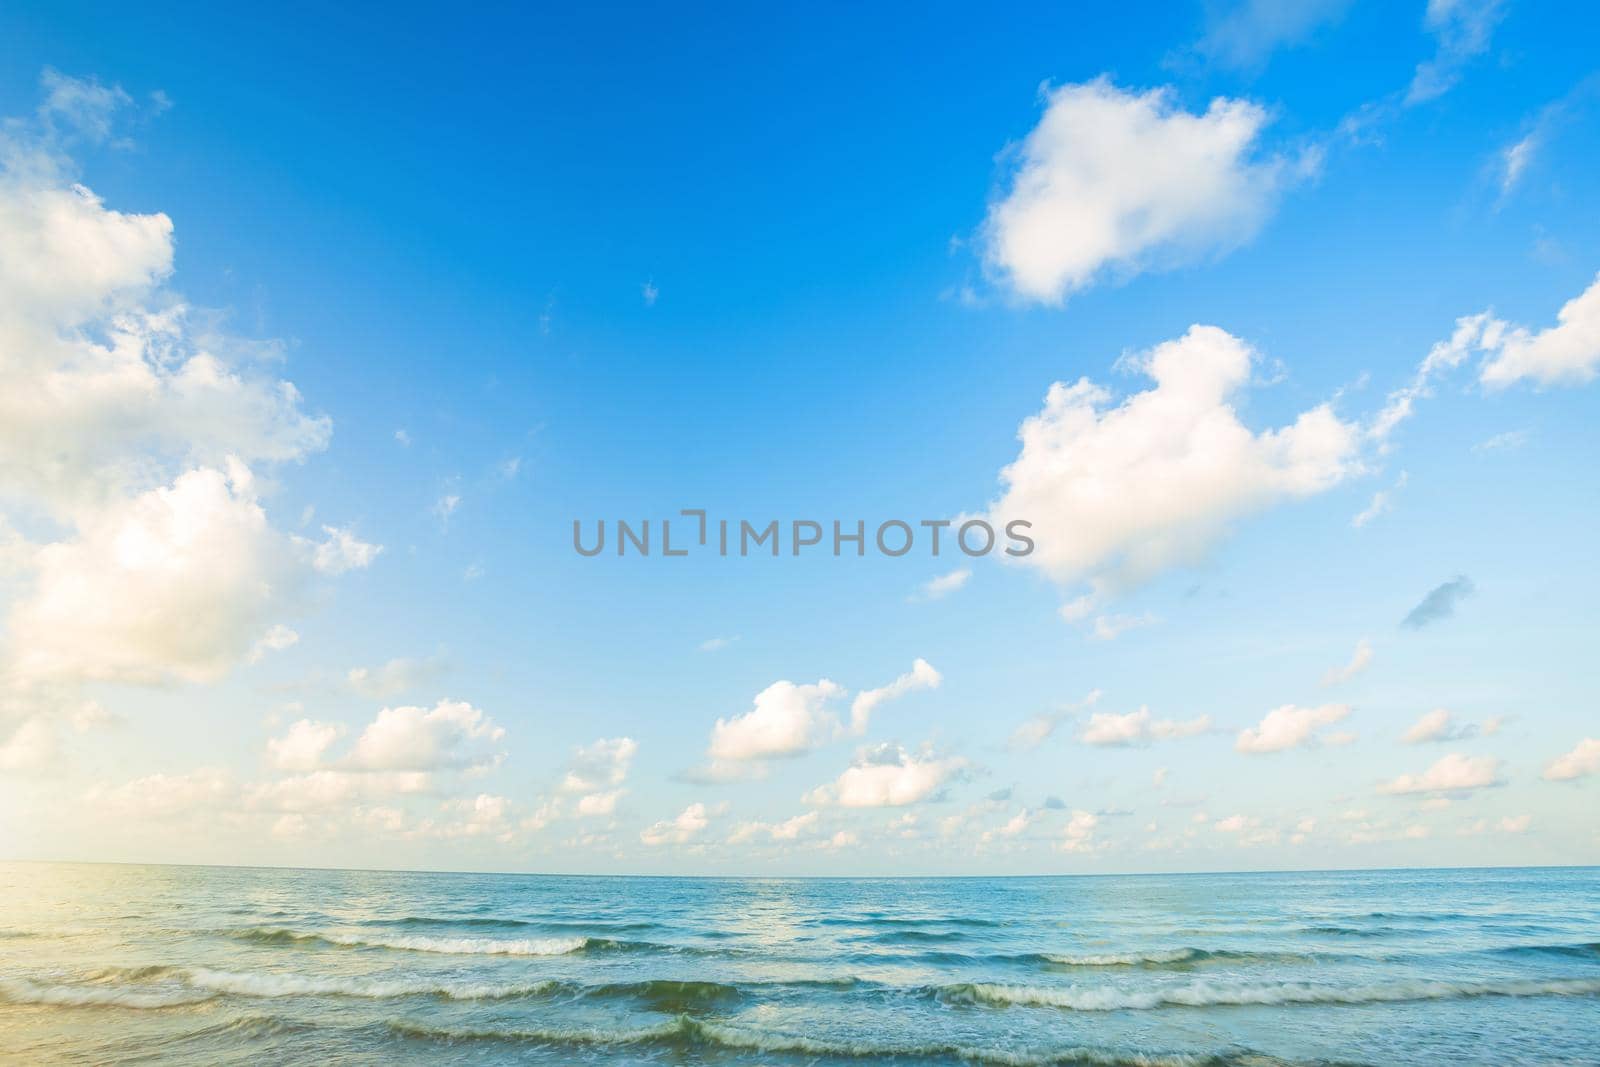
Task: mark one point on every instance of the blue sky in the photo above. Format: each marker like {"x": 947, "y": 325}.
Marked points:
{"x": 612, "y": 264}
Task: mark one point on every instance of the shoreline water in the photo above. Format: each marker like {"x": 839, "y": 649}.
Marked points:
{"x": 113, "y": 963}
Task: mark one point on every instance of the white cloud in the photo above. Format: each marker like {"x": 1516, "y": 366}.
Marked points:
{"x": 1582, "y": 761}
{"x": 1509, "y": 441}
{"x": 787, "y": 719}
{"x": 129, "y": 423}
{"x": 1455, "y": 773}
{"x": 1012, "y": 827}
{"x": 1288, "y": 727}
{"x": 1360, "y": 660}
{"x": 716, "y": 644}
{"x": 1110, "y": 627}
{"x": 163, "y": 796}
{"x": 942, "y": 586}
{"x": 591, "y": 805}
{"x": 1471, "y": 333}
{"x": 32, "y": 746}
{"x": 1437, "y": 725}
{"x": 1382, "y": 502}
{"x": 888, "y": 776}
{"x": 1127, "y": 181}
{"x": 600, "y": 765}
{"x": 276, "y": 639}
{"x": 1139, "y": 728}
{"x": 1567, "y": 353}
{"x": 1463, "y": 29}
{"x": 392, "y": 678}
{"x": 304, "y": 747}
{"x": 688, "y": 825}
{"x": 451, "y": 734}
{"x": 176, "y": 583}
{"x": 1078, "y": 835}
{"x": 790, "y": 829}
{"x": 921, "y": 676}
{"x": 1515, "y": 159}
{"x": 330, "y": 790}
{"x": 1243, "y": 34}
{"x": 1035, "y": 731}
{"x": 1183, "y": 465}
{"x": 343, "y": 551}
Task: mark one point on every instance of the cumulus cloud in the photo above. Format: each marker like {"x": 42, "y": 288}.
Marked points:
{"x": 129, "y": 425}
{"x": 680, "y": 830}
{"x": 1455, "y": 773}
{"x": 921, "y": 676}
{"x": 1581, "y": 762}
{"x": 790, "y": 829}
{"x": 1124, "y": 181}
{"x": 1440, "y": 603}
{"x": 1463, "y": 30}
{"x": 342, "y": 551}
{"x": 1036, "y": 730}
{"x": 1291, "y": 726}
{"x": 276, "y": 639}
{"x": 596, "y": 771}
{"x": 451, "y": 734}
{"x": 178, "y": 583}
{"x": 161, "y": 796}
{"x": 1437, "y": 725}
{"x": 1360, "y": 660}
{"x": 888, "y": 776}
{"x": 304, "y": 747}
{"x": 1139, "y": 728}
{"x": 787, "y": 719}
{"x": 1183, "y": 465}
{"x": 1567, "y": 353}
{"x": 1079, "y": 833}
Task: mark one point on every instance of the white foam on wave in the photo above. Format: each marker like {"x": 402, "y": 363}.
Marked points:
{"x": 23, "y": 991}
{"x": 1209, "y": 994}
{"x": 268, "y": 984}
{"x": 1124, "y": 959}
{"x": 464, "y": 946}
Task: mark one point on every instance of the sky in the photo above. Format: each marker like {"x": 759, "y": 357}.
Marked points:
{"x": 1276, "y": 323}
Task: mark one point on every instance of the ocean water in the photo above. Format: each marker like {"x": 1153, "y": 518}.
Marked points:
{"x": 195, "y": 965}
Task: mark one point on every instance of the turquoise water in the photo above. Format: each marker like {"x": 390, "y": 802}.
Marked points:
{"x": 112, "y": 964}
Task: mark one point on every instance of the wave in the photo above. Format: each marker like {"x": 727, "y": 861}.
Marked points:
{"x": 268, "y": 984}
{"x": 1206, "y": 994}
{"x": 24, "y": 991}
{"x": 877, "y": 919}
{"x": 459, "y": 946}
{"x": 688, "y": 1034}
{"x": 475, "y": 922}
{"x": 1585, "y": 950}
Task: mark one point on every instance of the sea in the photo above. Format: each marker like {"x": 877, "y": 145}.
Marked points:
{"x": 110, "y": 964}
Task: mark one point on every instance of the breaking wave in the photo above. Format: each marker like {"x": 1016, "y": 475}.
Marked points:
{"x": 460, "y": 946}
{"x": 1207, "y": 994}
